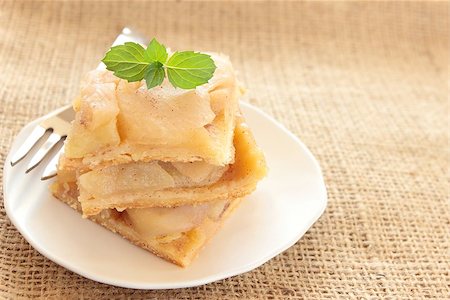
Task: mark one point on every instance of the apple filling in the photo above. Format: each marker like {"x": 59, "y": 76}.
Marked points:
{"x": 159, "y": 222}
{"x": 144, "y": 177}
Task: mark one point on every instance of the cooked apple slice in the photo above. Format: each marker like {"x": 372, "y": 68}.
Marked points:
{"x": 200, "y": 171}
{"x": 94, "y": 126}
{"x": 160, "y": 221}
{"x": 160, "y": 114}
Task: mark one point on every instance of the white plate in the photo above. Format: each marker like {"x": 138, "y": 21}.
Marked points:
{"x": 285, "y": 205}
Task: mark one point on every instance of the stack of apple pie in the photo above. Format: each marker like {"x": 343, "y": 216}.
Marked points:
{"x": 162, "y": 167}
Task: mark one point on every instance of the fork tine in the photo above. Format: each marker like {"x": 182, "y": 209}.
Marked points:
{"x": 52, "y": 140}
{"x": 50, "y": 169}
{"x": 25, "y": 148}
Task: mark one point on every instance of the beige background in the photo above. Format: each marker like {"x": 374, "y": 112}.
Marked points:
{"x": 364, "y": 85}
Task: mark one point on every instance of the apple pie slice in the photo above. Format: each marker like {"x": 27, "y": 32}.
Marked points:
{"x": 162, "y": 167}
{"x": 119, "y": 121}
{"x": 175, "y": 234}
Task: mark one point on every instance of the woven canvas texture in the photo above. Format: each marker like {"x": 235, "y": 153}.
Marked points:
{"x": 363, "y": 84}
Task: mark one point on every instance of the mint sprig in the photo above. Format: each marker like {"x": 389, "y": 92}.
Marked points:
{"x": 185, "y": 69}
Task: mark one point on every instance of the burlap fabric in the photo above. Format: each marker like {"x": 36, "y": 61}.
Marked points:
{"x": 364, "y": 85}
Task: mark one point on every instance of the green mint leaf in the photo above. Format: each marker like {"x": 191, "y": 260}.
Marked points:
{"x": 186, "y": 69}
{"x": 128, "y": 61}
{"x": 189, "y": 69}
{"x": 156, "y": 51}
{"x": 155, "y": 74}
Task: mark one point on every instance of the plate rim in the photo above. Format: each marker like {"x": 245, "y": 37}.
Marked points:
{"x": 184, "y": 284}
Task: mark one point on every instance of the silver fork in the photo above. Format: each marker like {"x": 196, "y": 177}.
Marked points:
{"x": 59, "y": 125}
